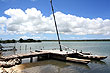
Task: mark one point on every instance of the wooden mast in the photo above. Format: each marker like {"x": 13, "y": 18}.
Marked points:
{"x": 56, "y": 26}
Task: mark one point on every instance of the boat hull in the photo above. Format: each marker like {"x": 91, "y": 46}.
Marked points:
{"x": 91, "y": 57}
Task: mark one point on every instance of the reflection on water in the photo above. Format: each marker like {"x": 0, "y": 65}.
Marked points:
{"x": 98, "y": 62}
{"x": 55, "y": 66}
{"x": 52, "y": 66}
{"x": 49, "y": 69}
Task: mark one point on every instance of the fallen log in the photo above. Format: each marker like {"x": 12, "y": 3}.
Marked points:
{"x": 10, "y": 63}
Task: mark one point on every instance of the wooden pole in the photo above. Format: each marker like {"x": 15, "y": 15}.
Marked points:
{"x": 56, "y": 26}
{"x": 25, "y": 47}
{"x": 31, "y": 59}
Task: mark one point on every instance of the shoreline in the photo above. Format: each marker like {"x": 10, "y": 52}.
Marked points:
{"x": 81, "y": 40}
{"x": 97, "y": 40}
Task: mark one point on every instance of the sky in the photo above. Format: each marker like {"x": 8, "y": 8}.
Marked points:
{"x": 76, "y": 19}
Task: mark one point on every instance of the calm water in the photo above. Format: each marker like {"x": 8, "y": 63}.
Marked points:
{"x": 54, "y": 66}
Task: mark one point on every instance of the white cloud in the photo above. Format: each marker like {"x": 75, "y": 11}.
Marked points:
{"x": 3, "y": 20}
{"x": 32, "y": 21}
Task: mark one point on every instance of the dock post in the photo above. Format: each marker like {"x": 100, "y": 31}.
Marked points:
{"x": 20, "y": 47}
{"x": 81, "y": 51}
{"x": 31, "y": 59}
{"x": 25, "y": 47}
{"x": 76, "y": 50}
{"x": 14, "y": 48}
{"x": 38, "y": 58}
{"x": 30, "y": 48}
{"x": 48, "y": 56}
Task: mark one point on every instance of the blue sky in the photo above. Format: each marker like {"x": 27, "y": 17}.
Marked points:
{"x": 76, "y": 19}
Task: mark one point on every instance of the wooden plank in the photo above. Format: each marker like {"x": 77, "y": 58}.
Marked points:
{"x": 23, "y": 55}
{"x": 85, "y": 61}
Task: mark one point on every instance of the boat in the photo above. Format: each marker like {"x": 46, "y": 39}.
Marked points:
{"x": 77, "y": 60}
{"x": 85, "y": 55}
{"x": 90, "y": 56}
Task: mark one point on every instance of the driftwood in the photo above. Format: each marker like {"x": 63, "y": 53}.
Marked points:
{"x": 10, "y": 63}
{"x": 11, "y": 70}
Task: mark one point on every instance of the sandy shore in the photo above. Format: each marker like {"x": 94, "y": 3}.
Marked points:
{"x": 9, "y": 70}
{"x": 14, "y": 69}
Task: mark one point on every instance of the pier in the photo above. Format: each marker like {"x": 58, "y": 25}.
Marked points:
{"x": 44, "y": 55}
{"x": 23, "y": 56}
{"x": 71, "y": 56}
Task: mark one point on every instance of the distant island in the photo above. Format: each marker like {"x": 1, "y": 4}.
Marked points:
{"x": 32, "y": 40}
{"x": 20, "y": 41}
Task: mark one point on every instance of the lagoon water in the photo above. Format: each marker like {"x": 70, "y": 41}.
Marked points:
{"x": 54, "y": 66}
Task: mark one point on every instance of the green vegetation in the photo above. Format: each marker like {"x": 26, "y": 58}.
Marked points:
{"x": 20, "y": 41}
{"x": 28, "y": 40}
{"x": 32, "y": 40}
{"x": 8, "y": 41}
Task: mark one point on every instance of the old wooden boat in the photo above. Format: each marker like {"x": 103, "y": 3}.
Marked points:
{"x": 84, "y": 55}
{"x": 64, "y": 56}
{"x": 77, "y": 60}
{"x": 89, "y": 56}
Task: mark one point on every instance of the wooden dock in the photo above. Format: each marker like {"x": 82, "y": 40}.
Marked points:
{"x": 46, "y": 54}
{"x": 22, "y": 56}
{"x": 54, "y": 54}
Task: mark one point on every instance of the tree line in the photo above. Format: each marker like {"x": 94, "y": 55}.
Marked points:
{"x": 20, "y": 41}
